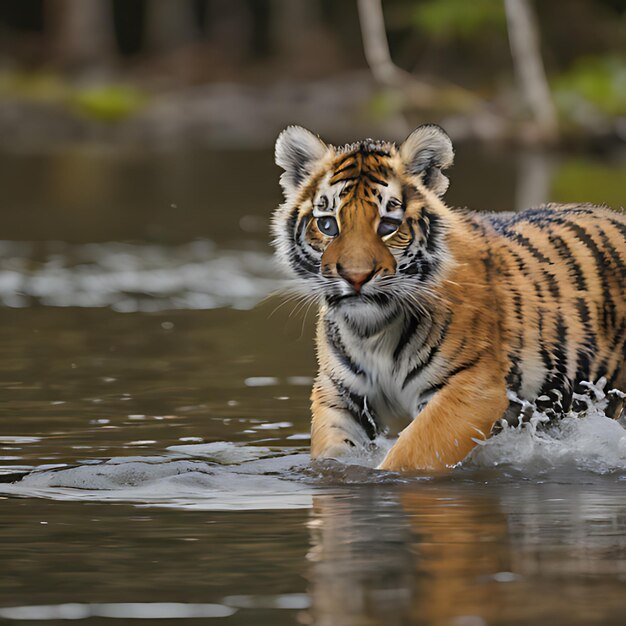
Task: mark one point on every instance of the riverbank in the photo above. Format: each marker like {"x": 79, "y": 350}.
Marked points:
{"x": 43, "y": 113}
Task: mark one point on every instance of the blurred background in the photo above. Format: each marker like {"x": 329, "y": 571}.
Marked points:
{"x": 136, "y": 185}
{"x": 152, "y": 123}
{"x": 156, "y": 73}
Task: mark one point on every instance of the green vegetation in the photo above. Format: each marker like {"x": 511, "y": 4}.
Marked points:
{"x": 447, "y": 19}
{"x": 599, "y": 81}
{"x": 40, "y": 87}
{"x": 579, "y": 180}
{"x": 109, "y": 103}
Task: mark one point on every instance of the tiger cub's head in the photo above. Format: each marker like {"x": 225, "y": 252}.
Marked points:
{"x": 361, "y": 224}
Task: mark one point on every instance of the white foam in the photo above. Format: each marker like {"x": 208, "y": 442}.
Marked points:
{"x": 594, "y": 443}
{"x": 588, "y": 440}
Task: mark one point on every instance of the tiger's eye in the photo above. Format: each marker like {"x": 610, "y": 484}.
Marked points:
{"x": 387, "y": 226}
{"x": 328, "y": 226}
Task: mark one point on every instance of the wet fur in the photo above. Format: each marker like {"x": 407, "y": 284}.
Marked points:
{"x": 460, "y": 309}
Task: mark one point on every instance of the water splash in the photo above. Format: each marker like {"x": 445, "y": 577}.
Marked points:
{"x": 586, "y": 439}
{"x": 230, "y": 476}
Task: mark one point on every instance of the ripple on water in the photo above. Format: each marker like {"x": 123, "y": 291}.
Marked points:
{"x": 220, "y": 476}
{"x": 136, "y": 277}
{"x": 128, "y": 610}
{"x": 230, "y": 476}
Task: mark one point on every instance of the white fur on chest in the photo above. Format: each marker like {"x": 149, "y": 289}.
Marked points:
{"x": 394, "y": 405}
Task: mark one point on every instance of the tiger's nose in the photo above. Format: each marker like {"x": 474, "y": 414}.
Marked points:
{"x": 355, "y": 278}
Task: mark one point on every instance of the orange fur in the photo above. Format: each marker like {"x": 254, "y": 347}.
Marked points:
{"x": 533, "y": 302}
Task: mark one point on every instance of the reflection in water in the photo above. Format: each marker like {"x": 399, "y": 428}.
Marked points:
{"x": 361, "y": 565}
{"x": 585, "y": 536}
{"x": 444, "y": 554}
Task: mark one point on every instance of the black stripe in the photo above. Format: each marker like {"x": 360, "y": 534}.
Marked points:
{"x": 619, "y": 264}
{"x": 545, "y": 354}
{"x": 549, "y": 277}
{"x": 612, "y": 378}
{"x": 339, "y": 350}
{"x": 619, "y": 225}
{"x": 617, "y": 340}
{"x": 585, "y": 354}
{"x": 540, "y": 216}
{"x": 525, "y": 243}
{"x": 409, "y": 223}
{"x": 344, "y": 179}
{"x": 465, "y": 366}
{"x": 567, "y": 256}
{"x": 434, "y": 231}
{"x": 608, "y": 309}
{"x": 520, "y": 263}
{"x": 432, "y": 353}
{"x": 363, "y": 332}
{"x": 355, "y": 404}
{"x": 376, "y": 180}
{"x": 348, "y": 163}
{"x": 525, "y": 271}
{"x": 514, "y": 375}
{"x": 457, "y": 370}
{"x": 411, "y": 324}
{"x": 517, "y": 305}
{"x": 589, "y": 346}
{"x": 557, "y": 386}
{"x": 300, "y": 263}
{"x": 421, "y": 268}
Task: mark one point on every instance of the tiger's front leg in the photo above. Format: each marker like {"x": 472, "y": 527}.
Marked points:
{"x": 335, "y": 429}
{"x": 445, "y": 432}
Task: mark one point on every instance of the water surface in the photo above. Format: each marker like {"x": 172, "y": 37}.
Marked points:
{"x": 162, "y": 398}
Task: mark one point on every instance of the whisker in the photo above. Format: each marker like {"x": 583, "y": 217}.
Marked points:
{"x": 306, "y": 313}
{"x": 291, "y": 298}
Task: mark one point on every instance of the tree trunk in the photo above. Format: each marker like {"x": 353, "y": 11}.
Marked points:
{"x": 378, "y": 56}
{"x": 528, "y": 64}
{"x": 81, "y": 32}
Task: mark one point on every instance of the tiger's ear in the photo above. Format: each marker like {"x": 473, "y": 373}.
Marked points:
{"x": 426, "y": 152}
{"x": 297, "y": 151}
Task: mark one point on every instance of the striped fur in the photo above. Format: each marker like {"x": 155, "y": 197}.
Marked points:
{"x": 423, "y": 331}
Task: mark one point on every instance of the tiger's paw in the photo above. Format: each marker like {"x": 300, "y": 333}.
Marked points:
{"x": 403, "y": 457}
{"x": 398, "y": 459}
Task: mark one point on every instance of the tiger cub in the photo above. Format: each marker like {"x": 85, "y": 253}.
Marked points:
{"x": 432, "y": 317}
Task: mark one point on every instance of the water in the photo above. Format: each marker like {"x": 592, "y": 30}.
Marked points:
{"x": 161, "y": 396}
